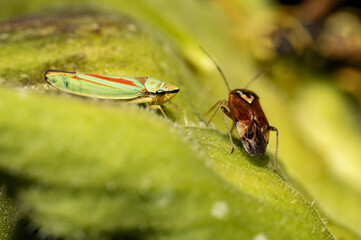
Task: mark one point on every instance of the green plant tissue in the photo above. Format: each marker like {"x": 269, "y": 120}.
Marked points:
{"x": 97, "y": 171}
{"x": 85, "y": 169}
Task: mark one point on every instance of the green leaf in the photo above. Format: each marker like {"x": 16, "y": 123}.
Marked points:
{"x": 94, "y": 171}
{"x": 333, "y": 124}
{"x": 85, "y": 169}
{"x": 8, "y": 215}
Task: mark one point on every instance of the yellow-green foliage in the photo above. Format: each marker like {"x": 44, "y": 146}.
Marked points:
{"x": 96, "y": 171}
{"x": 100, "y": 169}
{"x": 8, "y": 215}
{"x": 86, "y": 169}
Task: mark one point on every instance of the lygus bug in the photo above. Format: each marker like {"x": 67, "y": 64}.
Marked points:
{"x": 131, "y": 89}
{"x": 248, "y": 117}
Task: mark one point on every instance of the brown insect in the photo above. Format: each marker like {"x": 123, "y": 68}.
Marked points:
{"x": 248, "y": 117}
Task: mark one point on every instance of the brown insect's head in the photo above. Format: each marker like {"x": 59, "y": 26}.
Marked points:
{"x": 245, "y": 94}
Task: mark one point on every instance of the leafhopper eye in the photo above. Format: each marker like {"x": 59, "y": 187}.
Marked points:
{"x": 160, "y": 92}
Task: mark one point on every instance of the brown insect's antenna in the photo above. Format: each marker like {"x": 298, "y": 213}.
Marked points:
{"x": 219, "y": 69}
{"x": 260, "y": 74}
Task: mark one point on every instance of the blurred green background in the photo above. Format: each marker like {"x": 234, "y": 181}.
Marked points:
{"x": 77, "y": 168}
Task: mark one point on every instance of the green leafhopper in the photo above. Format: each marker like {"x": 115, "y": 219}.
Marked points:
{"x": 137, "y": 90}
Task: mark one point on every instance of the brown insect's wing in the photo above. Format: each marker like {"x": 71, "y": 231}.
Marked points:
{"x": 254, "y": 141}
{"x": 241, "y": 113}
{"x": 260, "y": 119}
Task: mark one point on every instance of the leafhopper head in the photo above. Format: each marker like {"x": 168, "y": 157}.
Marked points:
{"x": 162, "y": 90}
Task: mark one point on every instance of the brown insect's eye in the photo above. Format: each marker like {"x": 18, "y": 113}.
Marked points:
{"x": 248, "y": 97}
{"x": 247, "y": 94}
{"x": 239, "y": 93}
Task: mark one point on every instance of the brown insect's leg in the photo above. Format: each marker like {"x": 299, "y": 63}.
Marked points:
{"x": 210, "y": 110}
{"x": 224, "y": 112}
{"x": 276, "y": 152}
{"x": 217, "y": 106}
